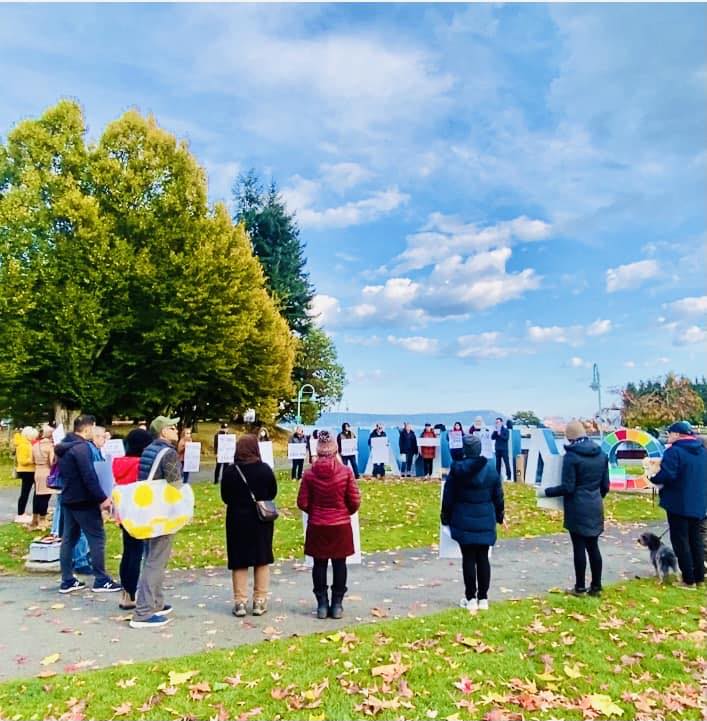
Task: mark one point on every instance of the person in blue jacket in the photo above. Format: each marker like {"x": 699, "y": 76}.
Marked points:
{"x": 683, "y": 494}
{"x": 472, "y": 505}
{"x": 500, "y": 436}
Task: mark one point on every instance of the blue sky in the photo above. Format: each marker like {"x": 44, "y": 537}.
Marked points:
{"x": 493, "y": 197}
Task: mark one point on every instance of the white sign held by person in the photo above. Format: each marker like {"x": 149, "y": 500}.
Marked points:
{"x": 379, "y": 450}
{"x": 455, "y": 440}
{"x": 296, "y": 451}
{"x": 428, "y": 442}
{"x": 192, "y": 457}
{"x": 58, "y": 434}
{"x": 487, "y": 445}
{"x": 355, "y": 530}
{"x": 349, "y": 446}
{"x": 114, "y": 448}
{"x": 226, "y": 448}
{"x": 266, "y": 453}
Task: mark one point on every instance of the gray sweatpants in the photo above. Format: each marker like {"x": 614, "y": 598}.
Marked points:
{"x": 150, "y": 596}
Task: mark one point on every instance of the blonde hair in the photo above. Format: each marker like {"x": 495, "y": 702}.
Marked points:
{"x": 47, "y": 431}
{"x": 30, "y": 433}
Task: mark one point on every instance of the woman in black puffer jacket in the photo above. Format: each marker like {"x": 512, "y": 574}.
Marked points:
{"x": 585, "y": 482}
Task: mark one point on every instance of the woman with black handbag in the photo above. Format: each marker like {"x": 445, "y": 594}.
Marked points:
{"x": 248, "y": 488}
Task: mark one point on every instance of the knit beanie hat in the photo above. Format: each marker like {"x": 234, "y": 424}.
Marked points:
{"x": 574, "y": 430}
{"x": 471, "y": 446}
{"x": 326, "y": 445}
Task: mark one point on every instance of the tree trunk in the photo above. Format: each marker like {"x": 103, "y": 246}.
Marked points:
{"x": 65, "y": 416}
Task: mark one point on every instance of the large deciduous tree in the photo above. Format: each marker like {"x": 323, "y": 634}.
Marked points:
{"x": 659, "y": 402}
{"x": 121, "y": 290}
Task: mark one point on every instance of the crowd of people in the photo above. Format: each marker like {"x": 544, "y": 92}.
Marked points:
{"x": 472, "y": 506}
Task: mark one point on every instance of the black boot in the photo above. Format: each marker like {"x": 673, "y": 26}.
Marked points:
{"x": 322, "y": 603}
{"x": 337, "y": 609}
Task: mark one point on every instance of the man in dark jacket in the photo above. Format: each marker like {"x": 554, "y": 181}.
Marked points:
{"x": 585, "y": 482}
{"x": 408, "y": 448}
{"x": 683, "y": 495}
{"x": 150, "y": 608}
{"x": 82, "y": 503}
{"x": 500, "y": 437}
{"x": 472, "y": 505}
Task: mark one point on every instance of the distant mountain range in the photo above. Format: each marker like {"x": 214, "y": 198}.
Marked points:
{"x": 368, "y": 420}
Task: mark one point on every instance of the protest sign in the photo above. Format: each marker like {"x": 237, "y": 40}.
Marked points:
{"x": 379, "y": 450}
{"x": 226, "y": 448}
{"x": 349, "y": 446}
{"x": 266, "y": 453}
{"x": 192, "y": 457}
{"x": 296, "y": 451}
{"x": 455, "y": 440}
{"x": 114, "y": 448}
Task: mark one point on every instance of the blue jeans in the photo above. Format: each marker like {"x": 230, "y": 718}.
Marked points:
{"x": 82, "y": 558}
{"x": 351, "y": 461}
{"x": 90, "y": 521}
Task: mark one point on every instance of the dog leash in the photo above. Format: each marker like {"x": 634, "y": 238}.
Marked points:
{"x": 663, "y": 533}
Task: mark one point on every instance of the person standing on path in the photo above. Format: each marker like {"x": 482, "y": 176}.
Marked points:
{"x": 248, "y": 539}
{"x": 150, "y": 609}
{"x": 347, "y": 433}
{"x": 428, "y": 453}
{"x": 329, "y": 496}
{"x": 218, "y": 468}
{"x": 472, "y": 505}
{"x": 682, "y": 479}
{"x": 457, "y": 454}
{"x": 500, "y": 437}
{"x": 82, "y": 503}
{"x": 585, "y": 483}
{"x": 378, "y": 468}
{"x": 24, "y": 467}
{"x": 298, "y": 463}
{"x": 125, "y": 471}
{"x": 43, "y": 456}
{"x": 407, "y": 444}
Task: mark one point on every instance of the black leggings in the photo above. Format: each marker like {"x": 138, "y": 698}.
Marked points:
{"x": 427, "y": 463}
{"x": 40, "y": 504}
{"x": 297, "y": 467}
{"x": 319, "y": 570}
{"x": 27, "y": 479}
{"x": 476, "y": 569}
{"x": 584, "y": 546}
{"x": 130, "y": 563}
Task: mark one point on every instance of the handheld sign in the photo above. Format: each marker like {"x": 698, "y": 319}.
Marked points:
{"x": 379, "y": 450}
{"x": 58, "y": 434}
{"x": 428, "y": 442}
{"x": 266, "y": 453}
{"x": 348, "y": 446}
{"x": 226, "y": 448}
{"x": 312, "y": 447}
{"x": 104, "y": 471}
{"x": 296, "y": 451}
{"x": 114, "y": 448}
{"x": 192, "y": 457}
{"x": 455, "y": 440}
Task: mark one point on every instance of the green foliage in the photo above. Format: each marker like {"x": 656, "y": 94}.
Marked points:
{"x": 527, "y": 418}
{"x": 661, "y": 401}
{"x": 276, "y": 242}
{"x": 700, "y": 387}
{"x": 120, "y": 290}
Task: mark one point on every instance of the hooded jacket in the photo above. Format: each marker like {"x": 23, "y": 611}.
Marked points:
{"x": 473, "y": 503}
{"x": 81, "y": 487}
{"x": 407, "y": 441}
{"x": 24, "y": 462}
{"x": 683, "y": 475}
{"x": 585, "y": 482}
{"x": 328, "y": 493}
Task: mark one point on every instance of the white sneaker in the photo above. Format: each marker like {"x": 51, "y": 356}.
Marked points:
{"x": 472, "y": 606}
{"x": 483, "y": 604}
{"x": 24, "y": 519}
{"x": 463, "y": 602}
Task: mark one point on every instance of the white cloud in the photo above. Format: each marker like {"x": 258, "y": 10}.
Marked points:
{"x": 415, "y": 344}
{"x": 572, "y": 335}
{"x": 483, "y": 346}
{"x": 578, "y": 362}
{"x": 691, "y": 335}
{"x": 325, "y": 310}
{"x": 344, "y": 176}
{"x": 303, "y": 194}
{"x": 367, "y": 341}
{"x": 373, "y": 376}
{"x": 631, "y": 275}
{"x": 395, "y": 290}
{"x": 630, "y": 364}
{"x": 688, "y": 306}
{"x": 599, "y": 327}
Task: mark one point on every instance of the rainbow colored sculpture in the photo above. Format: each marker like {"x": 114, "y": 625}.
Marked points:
{"x": 652, "y": 446}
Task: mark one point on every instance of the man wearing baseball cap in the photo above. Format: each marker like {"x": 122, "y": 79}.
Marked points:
{"x": 683, "y": 494}
{"x": 150, "y": 609}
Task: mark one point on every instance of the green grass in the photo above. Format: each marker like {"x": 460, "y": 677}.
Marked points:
{"x": 636, "y": 652}
{"x": 394, "y": 514}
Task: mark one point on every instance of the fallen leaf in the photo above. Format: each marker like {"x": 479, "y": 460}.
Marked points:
{"x": 52, "y": 658}
{"x": 178, "y": 678}
{"x": 124, "y": 709}
{"x": 465, "y": 685}
{"x": 572, "y": 671}
{"x": 126, "y": 682}
{"x": 604, "y": 705}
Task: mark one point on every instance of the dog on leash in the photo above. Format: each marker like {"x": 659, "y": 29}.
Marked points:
{"x": 662, "y": 557}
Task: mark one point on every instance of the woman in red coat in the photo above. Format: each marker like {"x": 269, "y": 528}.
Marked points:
{"x": 428, "y": 452}
{"x": 329, "y": 495}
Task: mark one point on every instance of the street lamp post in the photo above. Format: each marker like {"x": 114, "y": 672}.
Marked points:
{"x": 312, "y": 396}
{"x": 596, "y": 386}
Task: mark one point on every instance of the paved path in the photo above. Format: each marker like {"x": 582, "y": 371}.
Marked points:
{"x": 89, "y": 629}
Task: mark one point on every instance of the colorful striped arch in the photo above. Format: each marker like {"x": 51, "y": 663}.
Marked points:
{"x": 653, "y": 447}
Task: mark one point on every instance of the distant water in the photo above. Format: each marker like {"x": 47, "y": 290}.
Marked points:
{"x": 368, "y": 420}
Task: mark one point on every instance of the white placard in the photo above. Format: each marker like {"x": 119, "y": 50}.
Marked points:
{"x": 312, "y": 447}
{"x": 379, "y": 449}
{"x": 355, "y": 530}
{"x": 296, "y": 451}
{"x": 456, "y": 440}
{"x": 349, "y": 446}
{"x": 58, "y": 434}
{"x": 104, "y": 471}
{"x": 266, "y": 454}
{"x": 488, "y": 449}
{"x": 192, "y": 457}
{"x": 428, "y": 442}
{"x": 114, "y": 448}
{"x": 226, "y": 448}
